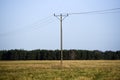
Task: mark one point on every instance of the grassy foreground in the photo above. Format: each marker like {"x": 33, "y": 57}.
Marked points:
{"x": 50, "y": 70}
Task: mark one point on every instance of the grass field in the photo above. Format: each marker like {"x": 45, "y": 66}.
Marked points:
{"x": 51, "y": 70}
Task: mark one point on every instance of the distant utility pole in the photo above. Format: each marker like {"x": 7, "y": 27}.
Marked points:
{"x": 61, "y": 17}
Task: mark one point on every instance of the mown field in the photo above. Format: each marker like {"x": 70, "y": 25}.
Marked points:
{"x": 51, "y": 70}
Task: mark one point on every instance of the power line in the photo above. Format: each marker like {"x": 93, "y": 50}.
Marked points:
{"x": 38, "y": 24}
{"x": 98, "y": 11}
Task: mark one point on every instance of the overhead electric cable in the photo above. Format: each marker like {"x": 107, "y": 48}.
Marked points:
{"x": 98, "y": 11}
{"x": 42, "y": 22}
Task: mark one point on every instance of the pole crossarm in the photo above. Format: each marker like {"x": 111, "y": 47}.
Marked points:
{"x": 63, "y": 16}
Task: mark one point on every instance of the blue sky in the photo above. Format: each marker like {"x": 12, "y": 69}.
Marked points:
{"x": 30, "y": 24}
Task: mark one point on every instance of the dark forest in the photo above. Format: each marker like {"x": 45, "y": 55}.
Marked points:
{"x": 55, "y": 55}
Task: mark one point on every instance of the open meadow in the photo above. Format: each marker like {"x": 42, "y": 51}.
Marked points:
{"x": 51, "y": 70}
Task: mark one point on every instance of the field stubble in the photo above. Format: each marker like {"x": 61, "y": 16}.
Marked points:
{"x": 51, "y": 70}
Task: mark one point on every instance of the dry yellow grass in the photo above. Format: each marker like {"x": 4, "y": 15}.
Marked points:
{"x": 51, "y": 70}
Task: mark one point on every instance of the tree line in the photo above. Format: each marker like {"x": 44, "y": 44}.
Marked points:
{"x": 55, "y": 55}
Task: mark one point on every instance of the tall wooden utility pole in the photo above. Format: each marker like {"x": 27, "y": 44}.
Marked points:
{"x": 61, "y": 18}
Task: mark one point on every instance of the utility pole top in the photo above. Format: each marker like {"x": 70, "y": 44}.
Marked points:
{"x": 63, "y": 16}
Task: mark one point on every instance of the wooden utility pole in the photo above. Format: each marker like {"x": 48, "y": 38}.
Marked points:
{"x": 61, "y": 18}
